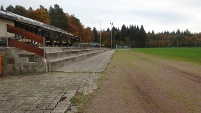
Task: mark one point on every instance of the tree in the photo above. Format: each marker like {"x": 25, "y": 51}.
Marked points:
{"x": 106, "y": 38}
{"x": 123, "y": 32}
{"x": 178, "y": 32}
{"x": 20, "y": 10}
{"x": 96, "y": 39}
{"x": 142, "y": 37}
{"x": 30, "y": 13}
{"x": 41, "y": 14}
{"x": 88, "y": 35}
{"x": 187, "y": 32}
{"x": 10, "y": 8}
{"x": 2, "y": 9}
{"x": 75, "y": 26}
{"x": 57, "y": 17}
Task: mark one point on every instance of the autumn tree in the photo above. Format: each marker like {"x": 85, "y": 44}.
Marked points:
{"x": 41, "y": 14}
{"x": 106, "y": 38}
{"x": 88, "y": 35}
{"x": 30, "y": 13}
{"x": 75, "y": 26}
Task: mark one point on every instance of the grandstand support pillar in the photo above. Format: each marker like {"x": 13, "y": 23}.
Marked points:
{"x": 6, "y": 35}
{"x": 65, "y": 41}
{"x": 44, "y": 54}
{"x": 51, "y": 40}
{"x": 60, "y": 40}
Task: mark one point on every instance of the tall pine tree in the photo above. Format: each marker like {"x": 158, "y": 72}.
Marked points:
{"x": 142, "y": 37}
{"x": 123, "y": 32}
{"x": 10, "y": 8}
{"x": 57, "y": 17}
{"x": 95, "y": 35}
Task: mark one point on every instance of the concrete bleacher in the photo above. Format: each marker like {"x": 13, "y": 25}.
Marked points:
{"x": 58, "y": 57}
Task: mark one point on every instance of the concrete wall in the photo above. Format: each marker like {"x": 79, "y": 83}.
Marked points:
{"x": 2, "y": 53}
{"x": 15, "y": 65}
{"x": 3, "y": 28}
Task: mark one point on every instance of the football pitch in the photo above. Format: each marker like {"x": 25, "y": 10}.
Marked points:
{"x": 186, "y": 54}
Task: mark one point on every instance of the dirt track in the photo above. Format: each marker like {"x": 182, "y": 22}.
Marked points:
{"x": 139, "y": 83}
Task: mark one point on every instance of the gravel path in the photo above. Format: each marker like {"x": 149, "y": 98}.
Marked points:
{"x": 139, "y": 83}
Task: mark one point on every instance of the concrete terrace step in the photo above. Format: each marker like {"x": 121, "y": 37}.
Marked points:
{"x": 31, "y": 57}
{"x": 54, "y": 64}
{"x": 53, "y": 49}
{"x": 55, "y": 53}
{"x": 59, "y": 54}
{"x": 23, "y": 62}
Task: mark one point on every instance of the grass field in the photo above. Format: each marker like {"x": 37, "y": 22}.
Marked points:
{"x": 187, "y": 54}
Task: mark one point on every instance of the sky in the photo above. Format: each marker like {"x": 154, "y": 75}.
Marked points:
{"x": 157, "y": 15}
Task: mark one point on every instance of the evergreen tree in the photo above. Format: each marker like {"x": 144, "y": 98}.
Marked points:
{"x": 10, "y": 8}
{"x": 178, "y": 32}
{"x": 142, "y": 37}
{"x": 2, "y": 9}
{"x": 153, "y": 34}
{"x": 187, "y": 32}
{"x": 20, "y": 10}
{"x": 123, "y": 32}
{"x": 30, "y": 9}
{"x": 57, "y": 17}
{"x": 96, "y": 39}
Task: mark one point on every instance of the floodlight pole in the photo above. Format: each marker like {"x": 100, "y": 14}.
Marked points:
{"x": 111, "y": 34}
{"x": 100, "y": 34}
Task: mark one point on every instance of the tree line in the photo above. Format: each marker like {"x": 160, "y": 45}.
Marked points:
{"x": 132, "y": 35}
{"x": 136, "y": 36}
{"x": 173, "y": 39}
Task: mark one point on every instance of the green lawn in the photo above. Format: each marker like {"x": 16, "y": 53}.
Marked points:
{"x": 187, "y": 54}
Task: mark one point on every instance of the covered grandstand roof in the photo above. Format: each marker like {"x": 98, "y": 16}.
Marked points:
{"x": 22, "y": 19}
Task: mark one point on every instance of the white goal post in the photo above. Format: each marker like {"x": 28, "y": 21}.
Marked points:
{"x": 124, "y": 47}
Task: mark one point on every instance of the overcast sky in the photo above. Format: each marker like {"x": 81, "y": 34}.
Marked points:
{"x": 157, "y": 15}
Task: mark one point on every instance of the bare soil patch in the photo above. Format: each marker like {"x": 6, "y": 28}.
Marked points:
{"x": 140, "y": 83}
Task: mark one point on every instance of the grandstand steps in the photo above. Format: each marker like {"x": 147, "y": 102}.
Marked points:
{"x": 57, "y": 57}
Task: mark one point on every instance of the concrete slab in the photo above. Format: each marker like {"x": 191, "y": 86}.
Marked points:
{"x": 48, "y": 92}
